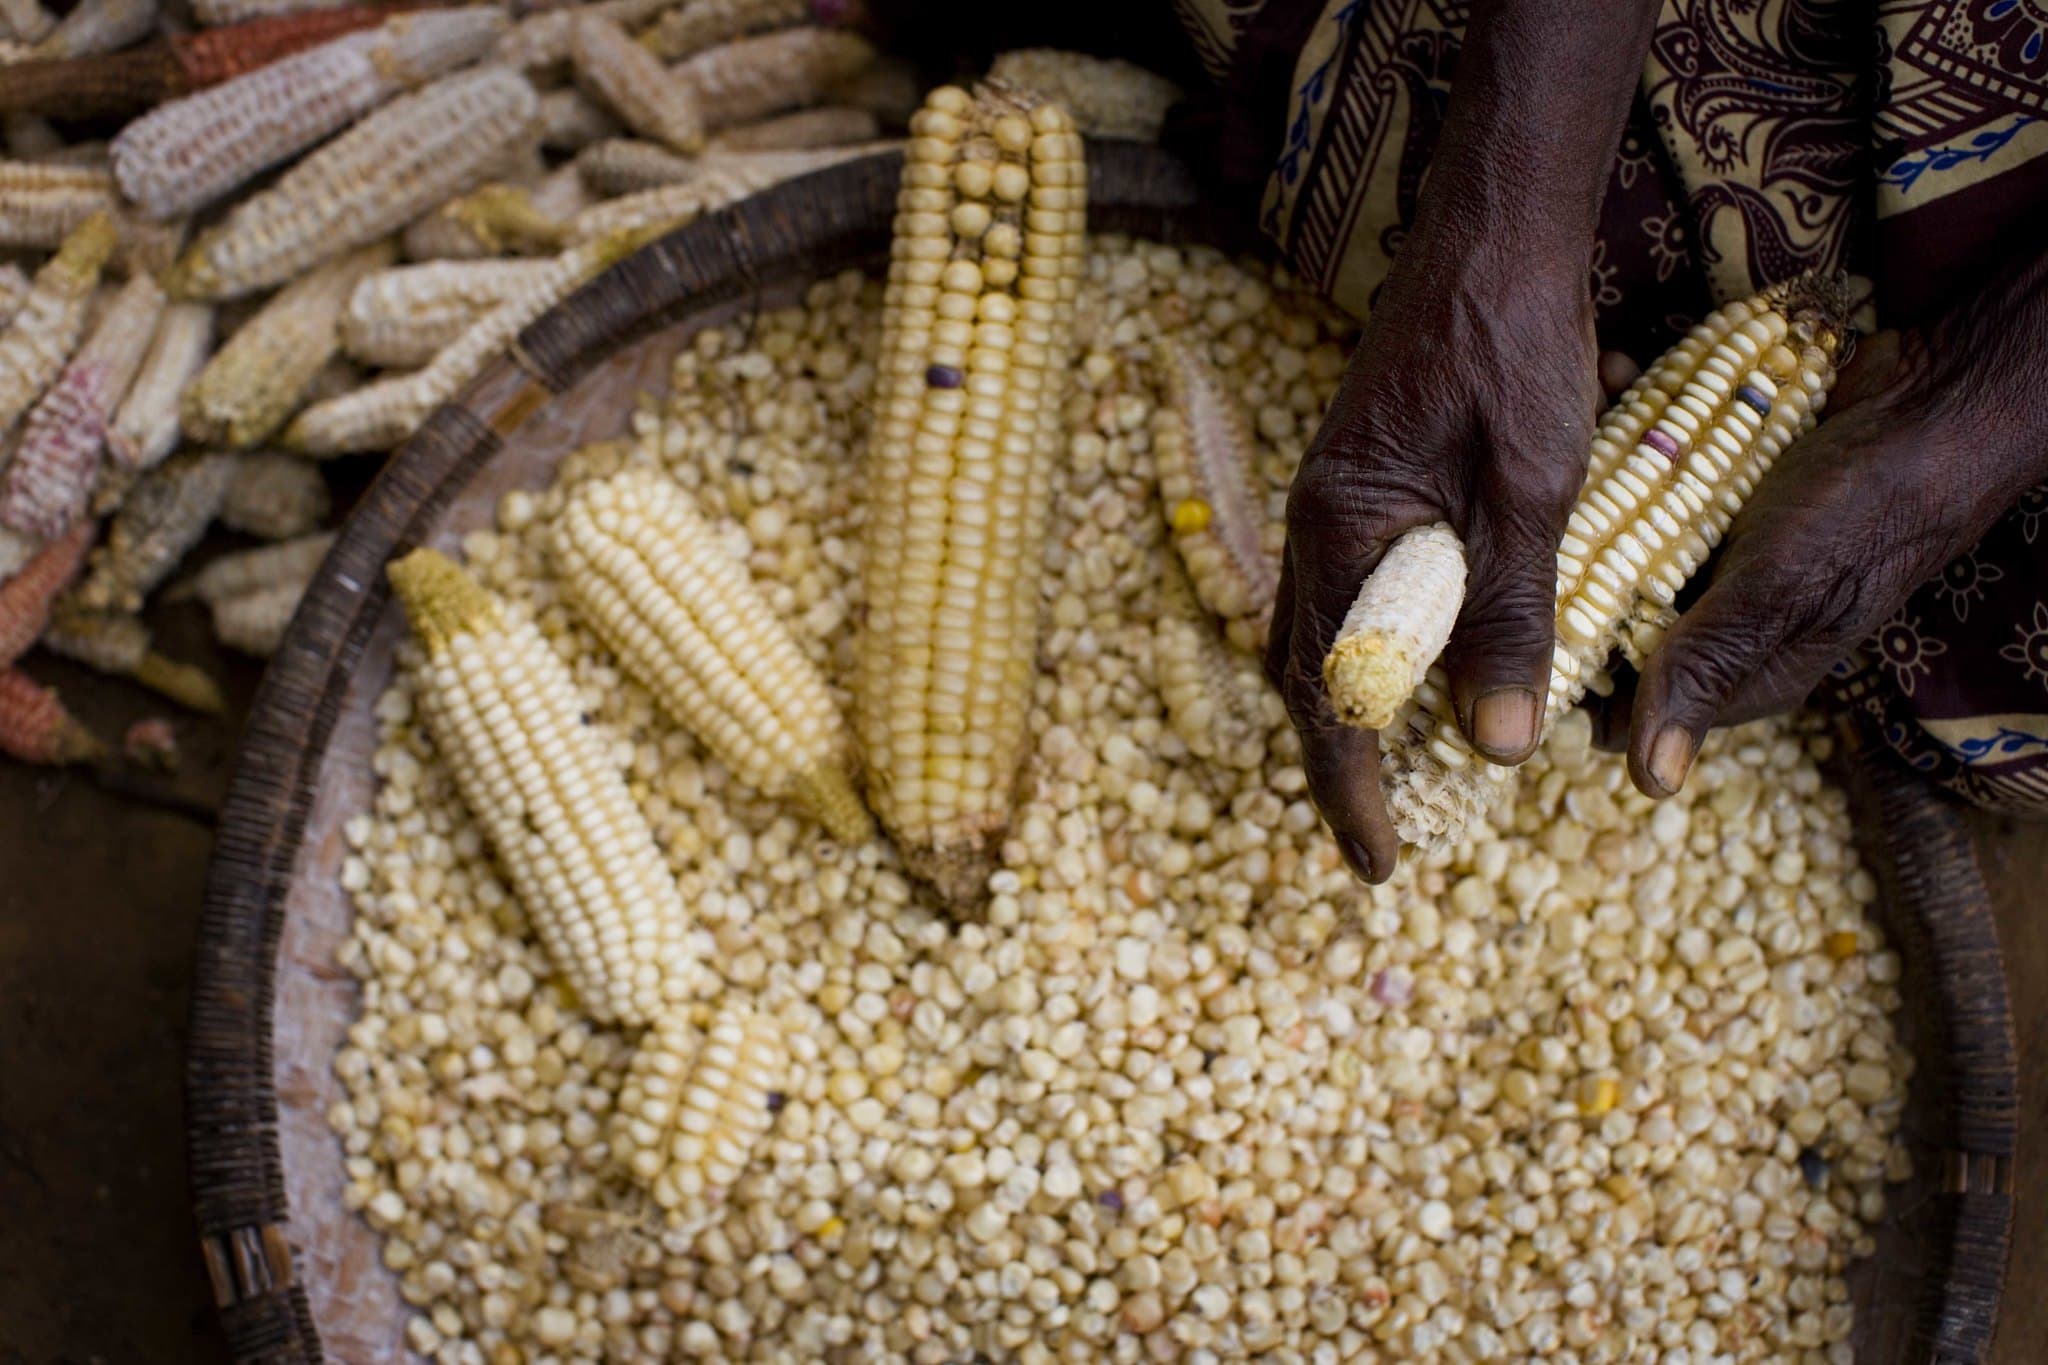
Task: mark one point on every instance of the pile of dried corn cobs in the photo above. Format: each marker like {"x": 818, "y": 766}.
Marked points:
{"x": 235, "y": 244}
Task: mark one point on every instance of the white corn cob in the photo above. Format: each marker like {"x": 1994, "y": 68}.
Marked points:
{"x": 119, "y": 645}
{"x": 503, "y": 711}
{"x": 146, "y": 427}
{"x": 1397, "y": 627}
{"x": 635, "y": 85}
{"x": 976, "y": 333}
{"x": 40, "y": 203}
{"x": 13, "y": 291}
{"x": 703, "y": 24}
{"x": 259, "y": 378}
{"x": 1209, "y": 488}
{"x": 249, "y": 571}
{"x": 161, "y": 519}
{"x": 558, "y": 197}
{"x": 484, "y": 223}
{"x": 695, "y": 1105}
{"x": 833, "y": 125}
{"x": 1216, "y": 698}
{"x": 46, "y": 326}
{"x": 399, "y": 318}
{"x": 544, "y": 39}
{"x": 719, "y": 182}
{"x": 624, "y": 165}
{"x": 380, "y": 415}
{"x": 254, "y": 623}
{"x": 570, "y": 120}
{"x": 25, "y": 21}
{"x": 1672, "y": 463}
{"x": 646, "y": 574}
{"x": 185, "y": 154}
{"x": 1106, "y": 96}
{"x": 414, "y": 153}
{"x": 213, "y": 12}
{"x": 274, "y": 497}
{"x": 98, "y": 26}
{"x": 747, "y": 80}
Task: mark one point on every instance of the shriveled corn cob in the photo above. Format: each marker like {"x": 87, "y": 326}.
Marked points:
{"x": 486, "y": 222}
{"x": 624, "y": 165}
{"x": 98, "y": 26}
{"x": 833, "y": 125}
{"x": 45, "y": 328}
{"x": 119, "y": 645}
{"x": 13, "y": 291}
{"x": 275, "y": 497}
{"x": 192, "y": 151}
{"x": 544, "y": 40}
{"x": 976, "y": 331}
{"x": 249, "y": 571}
{"x": 503, "y": 712}
{"x": 26, "y": 598}
{"x": 1107, "y": 97}
{"x": 747, "y": 80}
{"x": 699, "y": 25}
{"x": 399, "y": 318}
{"x": 259, "y": 378}
{"x": 338, "y": 376}
{"x": 35, "y": 727}
{"x": 645, "y": 572}
{"x": 1207, "y": 468}
{"x": 570, "y": 120}
{"x": 161, "y": 519}
{"x": 634, "y": 84}
{"x": 146, "y": 428}
{"x": 695, "y": 1105}
{"x": 720, "y": 182}
{"x": 25, "y": 21}
{"x": 40, "y": 204}
{"x": 255, "y": 622}
{"x": 1217, "y": 701}
{"x": 408, "y": 156}
{"x": 1397, "y": 626}
{"x": 49, "y": 481}
{"x": 1672, "y": 463}
{"x": 242, "y": 11}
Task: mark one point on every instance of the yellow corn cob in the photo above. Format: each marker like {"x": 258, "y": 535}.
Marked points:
{"x": 13, "y": 291}
{"x": 643, "y": 570}
{"x": 146, "y": 426}
{"x": 570, "y": 120}
{"x": 1671, "y": 464}
{"x": 635, "y": 85}
{"x": 255, "y": 622}
{"x": 212, "y": 12}
{"x": 1107, "y": 97}
{"x": 544, "y": 39}
{"x": 752, "y": 78}
{"x": 503, "y": 711}
{"x": 41, "y": 203}
{"x": 624, "y": 165}
{"x": 25, "y": 21}
{"x": 1398, "y": 625}
{"x": 702, "y": 24}
{"x": 97, "y": 26}
{"x": 35, "y": 727}
{"x": 399, "y": 318}
{"x": 695, "y": 1105}
{"x": 833, "y": 125}
{"x": 189, "y": 152}
{"x": 44, "y": 329}
{"x": 414, "y": 153}
{"x": 258, "y": 380}
{"x": 1207, "y": 468}
{"x": 1216, "y": 698}
{"x": 249, "y": 571}
{"x": 161, "y": 519}
{"x": 976, "y": 330}
{"x": 380, "y": 415}
{"x": 119, "y": 645}
{"x": 719, "y": 182}
{"x": 275, "y": 497}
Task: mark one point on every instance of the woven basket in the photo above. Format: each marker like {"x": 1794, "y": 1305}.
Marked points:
{"x": 298, "y": 1278}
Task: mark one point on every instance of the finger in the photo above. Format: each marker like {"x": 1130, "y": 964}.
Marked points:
{"x": 1617, "y": 372}
{"x": 1712, "y": 657}
{"x": 1500, "y": 653}
{"x": 1342, "y": 763}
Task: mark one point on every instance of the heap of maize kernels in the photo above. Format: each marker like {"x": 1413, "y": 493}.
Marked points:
{"x": 1608, "y": 1080}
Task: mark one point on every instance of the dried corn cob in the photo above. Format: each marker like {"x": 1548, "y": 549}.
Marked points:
{"x": 486, "y": 222}
{"x": 97, "y": 156}
{"x": 1396, "y": 627}
{"x": 40, "y": 204}
{"x": 888, "y": 87}
{"x": 255, "y": 622}
{"x": 151, "y": 743}
{"x": 146, "y": 426}
{"x": 976, "y": 324}
{"x": 48, "y": 483}
{"x": 275, "y": 497}
{"x": 558, "y": 197}
{"x": 119, "y": 645}
{"x": 1107, "y": 97}
{"x": 570, "y": 120}
{"x": 748, "y": 80}
{"x": 388, "y": 169}
{"x": 249, "y": 571}
{"x": 1216, "y": 698}
{"x": 35, "y": 727}
{"x": 700, "y": 25}
{"x": 503, "y": 711}
{"x": 1207, "y": 468}
{"x": 26, "y": 598}
{"x": 25, "y": 21}
{"x": 1671, "y": 464}
{"x": 834, "y": 125}
{"x": 634, "y": 84}
{"x": 643, "y": 570}
{"x": 46, "y": 326}
{"x": 161, "y": 519}
{"x": 544, "y": 39}
{"x": 13, "y": 291}
{"x": 399, "y": 318}
{"x": 212, "y": 12}
{"x": 192, "y": 151}
{"x": 98, "y": 26}
{"x": 694, "y": 1105}
{"x": 259, "y": 378}
{"x": 720, "y": 182}
{"x": 623, "y": 165}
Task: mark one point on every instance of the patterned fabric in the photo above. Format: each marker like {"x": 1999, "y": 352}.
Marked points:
{"x": 1905, "y": 141}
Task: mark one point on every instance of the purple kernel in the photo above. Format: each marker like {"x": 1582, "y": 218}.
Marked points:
{"x": 1112, "y": 1200}
{"x": 1754, "y": 399}
{"x": 944, "y": 377}
{"x": 1662, "y": 442}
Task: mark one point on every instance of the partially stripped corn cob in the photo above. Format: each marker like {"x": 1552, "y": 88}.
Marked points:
{"x": 402, "y": 160}
{"x": 190, "y": 152}
{"x": 35, "y": 727}
{"x": 275, "y": 497}
{"x": 1397, "y": 626}
{"x": 719, "y": 182}
{"x": 13, "y": 291}
{"x": 146, "y": 427}
{"x": 1672, "y": 463}
{"x": 624, "y": 165}
{"x": 646, "y": 574}
{"x": 976, "y": 332}
{"x": 45, "y": 328}
{"x": 570, "y": 120}
{"x": 1217, "y": 701}
{"x": 255, "y": 622}
{"x": 119, "y": 645}
{"x": 634, "y": 84}
{"x": 544, "y": 40}
{"x": 695, "y": 1105}
{"x": 98, "y": 26}
{"x": 752, "y": 78}
{"x": 1106, "y": 96}
{"x": 1207, "y": 467}
{"x": 41, "y": 203}
{"x": 503, "y": 711}
{"x": 399, "y": 318}
{"x": 161, "y": 519}
{"x": 259, "y": 378}
{"x": 833, "y": 125}
{"x": 700, "y": 25}
{"x": 26, "y": 598}
{"x": 249, "y": 571}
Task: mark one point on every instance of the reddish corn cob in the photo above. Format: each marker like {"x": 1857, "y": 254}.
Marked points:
{"x": 26, "y": 598}
{"x": 146, "y": 427}
{"x": 35, "y": 727}
{"x": 634, "y": 84}
{"x": 45, "y": 328}
{"x": 162, "y": 518}
{"x": 752, "y": 78}
{"x": 119, "y": 645}
{"x": 98, "y": 26}
{"x": 274, "y": 497}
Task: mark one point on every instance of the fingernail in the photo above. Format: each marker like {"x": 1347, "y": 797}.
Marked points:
{"x": 1671, "y": 758}
{"x": 1355, "y": 854}
{"x": 1504, "y": 722}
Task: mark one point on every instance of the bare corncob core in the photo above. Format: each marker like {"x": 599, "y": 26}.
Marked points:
{"x": 695, "y": 1104}
{"x": 643, "y": 570}
{"x": 35, "y": 727}
{"x": 503, "y": 712}
{"x": 985, "y": 265}
{"x": 1397, "y": 626}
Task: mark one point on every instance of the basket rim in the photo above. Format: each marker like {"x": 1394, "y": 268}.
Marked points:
{"x": 818, "y": 222}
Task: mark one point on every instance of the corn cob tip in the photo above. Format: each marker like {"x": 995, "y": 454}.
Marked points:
{"x": 957, "y": 873}
{"x": 189, "y": 685}
{"x": 828, "y": 793}
{"x": 1397, "y": 626}
{"x": 87, "y": 248}
{"x": 440, "y": 600}
{"x": 72, "y": 743}
{"x": 504, "y": 218}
